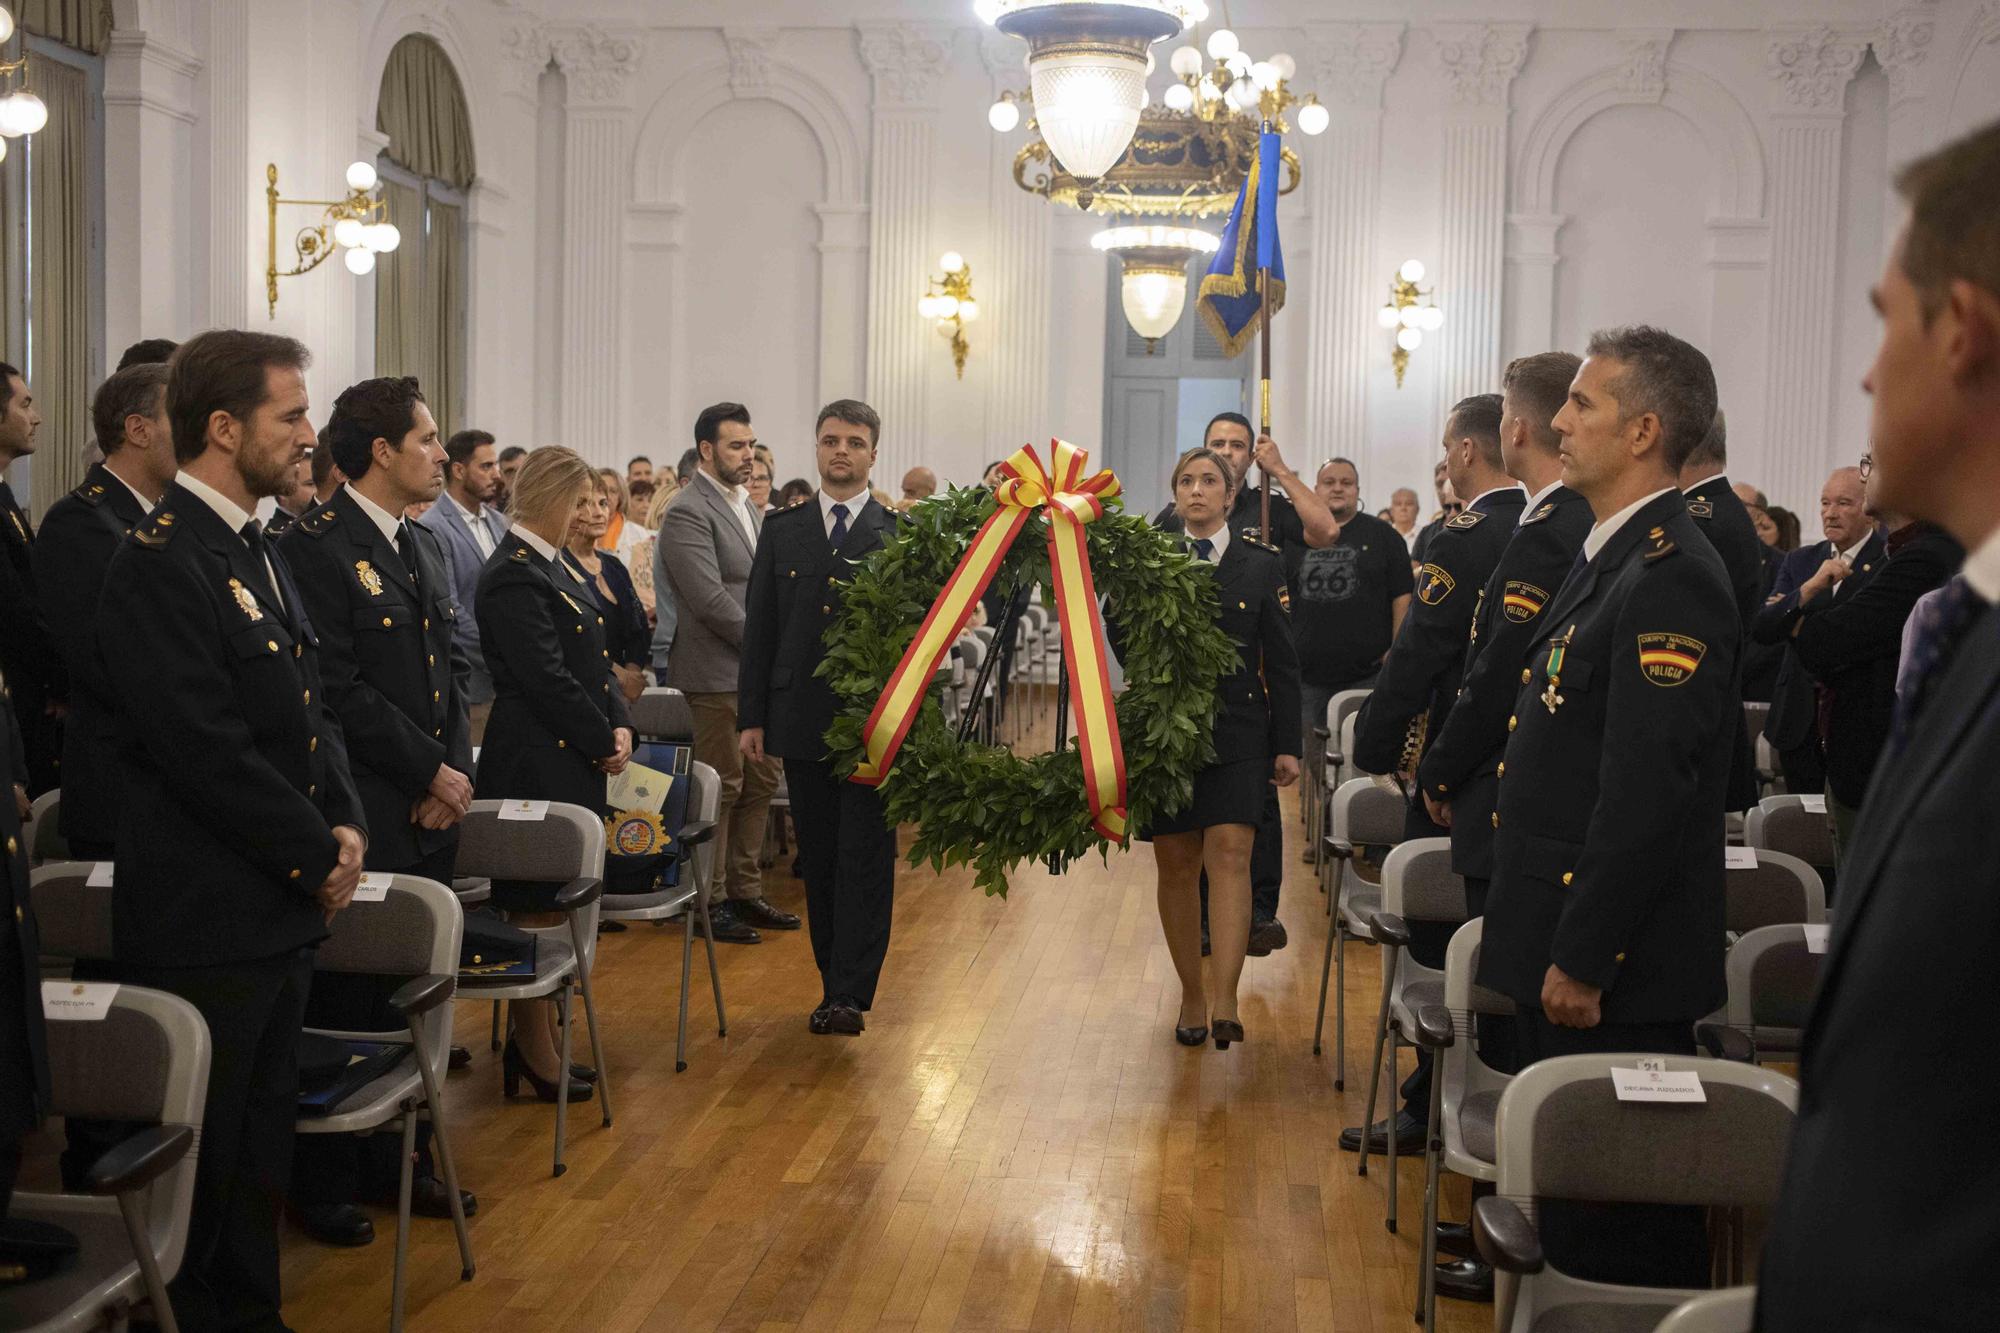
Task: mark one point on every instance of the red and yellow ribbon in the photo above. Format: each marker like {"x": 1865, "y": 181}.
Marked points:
{"x": 1073, "y": 500}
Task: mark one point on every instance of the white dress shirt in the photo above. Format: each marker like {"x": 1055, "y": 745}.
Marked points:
{"x": 1608, "y": 529}
{"x": 536, "y": 544}
{"x": 234, "y": 516}
{"x": 1535, "y": 500}
{"x": 390, "y": 524}
{"x": 855, "y": 504}
{"x": 739, "y": 503}
{"x": 482, "y": 536}
{"x": 1494, "y": 491}
{"x": 145, "y": 505}
{"x": 1221, "y": 539}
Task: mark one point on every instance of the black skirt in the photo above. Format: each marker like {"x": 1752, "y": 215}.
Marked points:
{"x": 1231, "y": 793}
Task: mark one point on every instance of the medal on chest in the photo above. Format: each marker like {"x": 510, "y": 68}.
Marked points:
{"x": 1558, "y": 649}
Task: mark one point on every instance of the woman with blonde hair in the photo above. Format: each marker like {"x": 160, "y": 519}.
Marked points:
{"x": 609, "y": 583}
{"x": 559, "y": 725}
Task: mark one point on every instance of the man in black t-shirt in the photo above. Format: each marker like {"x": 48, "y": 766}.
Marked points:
{"x": 1348, "y": 599}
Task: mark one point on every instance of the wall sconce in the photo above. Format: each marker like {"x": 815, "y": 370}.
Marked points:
{"x": 21, "y": 112}
{"x": 1410, "y": 320}
{"x": 358, "y": 225}
{"x": 949, "y": 301}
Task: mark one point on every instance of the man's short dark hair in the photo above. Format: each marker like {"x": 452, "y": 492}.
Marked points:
{"x": 512, "y": 452}
{"x": 1479, "y": 418}
{"x": 147, "y": 349}
{"x": 1539, "y": 386}
{"x": 684, "y": 469}
{"x": 223, "y": 370}
{"x": 1713, "y": 450}
{"x": 637, "y": 459}
{"x": 384, "y": 408}
{"x": 1663, "y": 375}
{"x": 132, "y": 392}
{"x": 465, "y": 443}
{"x": 1344, "y": 462}
{"x": 322, "y": 460}
{"x": 7, "y": 377}
{"x": 708, "y": 426}
{"x": 1954, "y": 231}
{"x": 855, "y": 413}
{"x": 1235, "y": 418}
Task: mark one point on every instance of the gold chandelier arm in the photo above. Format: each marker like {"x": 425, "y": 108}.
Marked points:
{"x": 1293, "y": 171}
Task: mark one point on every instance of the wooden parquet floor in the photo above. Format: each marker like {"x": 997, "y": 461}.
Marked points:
{"x": 1015, "y": 1143}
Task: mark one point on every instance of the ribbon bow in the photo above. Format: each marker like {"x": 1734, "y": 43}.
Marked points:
{"x": 1072, "y": 500}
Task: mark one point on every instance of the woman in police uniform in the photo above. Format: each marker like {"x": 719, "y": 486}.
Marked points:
{"x": 559, "y": 724}
{"x": 1256, "y": 745}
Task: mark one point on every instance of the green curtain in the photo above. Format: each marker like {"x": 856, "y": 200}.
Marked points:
{"x": 399, "y": 283}
{"x": 421, "y": 107}
{"x": 83, "y": 24}
{"x": 59, "y": 226}
{"x": 443, "y": 317}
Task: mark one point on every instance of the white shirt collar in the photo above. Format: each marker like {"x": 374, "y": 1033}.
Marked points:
{"x": 1221, "y": 539}
{"x": 1982, "y": 567}
{"x": 535, "y": 543}
{"x": 145, "y": 505}
{"x": 225, "y": 508}
{"x": 736, "y": 494}
{"x": 1608, "y": 529}
{"x": 855, "y": 504}
{"x": 1855, "y": 550}
{"x": 1535, "y": 500}
{"x": 382, "y": 518}
{"x": 468, "y": 515}
{"x": 1713, "y": 476}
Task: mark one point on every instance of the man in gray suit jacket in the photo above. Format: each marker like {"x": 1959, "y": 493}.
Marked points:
{"x": 707, "y": 539}
{"x": 470, "y": 528}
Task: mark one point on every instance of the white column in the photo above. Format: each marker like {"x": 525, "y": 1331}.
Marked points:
{"x": 1347, "y": 64}
{"x": 597, "y": 68}
{"x": 1479, "y": 63}
{"x": 1809, "y": 68}
{"x": 233, "y": 249}
{"x": 1901, "y": 45}
{"x": 149, "y": 119}
{"x": 1013, "y": 286}
{"x": 843, "y": 300}
{"x": 904, "y": 60}
{"x": 1531, "y": 260}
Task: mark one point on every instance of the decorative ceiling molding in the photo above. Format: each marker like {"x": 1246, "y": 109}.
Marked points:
{"x": 750, "y": 59}
{"x": 1642, "y": 72}
{"x": 1350, "y": 62}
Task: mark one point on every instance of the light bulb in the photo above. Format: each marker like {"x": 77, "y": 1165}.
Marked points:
{"x": 21, "y": 112}
{"x": 927, "y": 306}
{"x": 1314, "y": 118}
{"x": 1003, "y": 115}
{"x": 1153, "y": 300}
{"x": 382, "y": 237}
{"x": 1411, "y": 271}
{"x": 1286, "y": 66}
{"x": 1185, "y": 62}
{"x": 1409, "y": 316}
{"x": 1197, "y": 11}
{"x": 1243, "y": 95}
{"x": 1433, "y": 319}
{"x": 1087, "y": 106}
{"x": 348, "y": 233}
{"x": 951, "y": 261}
{"x": 6, "y": 24}
{"x": 1238, "y": 65}
{"x": 968, "y": 310}
{"x": 1409, "y": 340}
{"x": 1265, "y": 75}
{"x": 1222, "y": 44}
{"x": 359, "y": 262}
{"x": 361, "y": 176}
{"x": 986, "y": 10}
{"x": 946, "y": 306}
{"x": 1388, "y": 317}
{"x": 1180, "y": 97}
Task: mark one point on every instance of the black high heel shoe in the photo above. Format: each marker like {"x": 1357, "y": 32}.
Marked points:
{"x": 1226, "y": 1030}
{"x": 1191, "y": 1036}
{"x": 514, "y": 1067}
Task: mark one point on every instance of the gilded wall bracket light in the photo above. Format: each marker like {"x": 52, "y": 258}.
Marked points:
{"x": 358, "y": 226}
{"x": 1410, "y": 312}
{"x": 948, "y": 301}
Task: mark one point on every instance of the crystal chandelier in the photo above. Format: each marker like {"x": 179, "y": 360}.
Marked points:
{"x": 1153, "y": 284}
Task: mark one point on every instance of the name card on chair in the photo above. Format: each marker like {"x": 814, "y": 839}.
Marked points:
{"x": 77, "y": 1001}
{"x": 1657, "y": 1085}
{"x": 531, "y": 812}
{"x": 1816, "y": 937}
{"x": 374, "y": 886}
{"x": 1739, "y": 858}
{"x": 100, "y": 876}
{"x": 1814, "y": 804}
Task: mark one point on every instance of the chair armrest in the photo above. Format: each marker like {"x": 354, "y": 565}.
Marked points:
{"x": 1390, "y": 929}
{"x": 1337, "y": 849}
{"x": 1505, "y": 1237}
{"x": 1322, "y": 734}
{"x": 696, "y": 832}
{"x": 1434, "y": 1027}
{"x": 1726, "y": 1043}
{"x": 578, "y": 894}
{"x": 422, "y": 994}
{"x": 139, "y": 1160}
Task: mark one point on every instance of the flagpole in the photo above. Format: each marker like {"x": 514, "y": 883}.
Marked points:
{"x": 1264, "y": 379}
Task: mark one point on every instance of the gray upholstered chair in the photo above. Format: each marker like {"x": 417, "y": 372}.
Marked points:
{"x": 43, "y": 832}
{"x": 1780, "y": 890}
{"x": 1326, "y": 769}
{"x": 1730, "y": 1310}
{"x": 1772, "y": 976}
{"x": 1361, "y": 814}
{"x": 1785, "y": 824}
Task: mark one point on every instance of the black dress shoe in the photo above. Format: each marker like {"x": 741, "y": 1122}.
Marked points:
{"x": 844, "y": 1017}
{"x": 1225, "y": 1030}
{"x": 1410, "y": 1133}
{"x": 429, "y": 1198}
{"x": 611, "y": 927}
{"x": 1465, "y": 1280}
{"x": 1191, "y": 1036}
{"x": 730, "y": 928}
{"x": 1455, "y": 1238}
{"x": 1266, "y": 936}
{"x": 460, "y": 1058}
{"x": 759, "y": 912}
{"x": 816, "y": 1021}
{"x": 336, "y": 1224}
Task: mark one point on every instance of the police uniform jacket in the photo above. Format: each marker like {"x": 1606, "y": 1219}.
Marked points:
{"x": 79, "y": 535}
{"x": 1720, "y": 514}
{"x": 556, "y": 701}
{"x": 1246, "y": 519}
{"x": 28, "y": 653}
{"x": 1420, "y": 676}
{"x": 1794, "y": 702}
{"x": 794, "y": 595}
{"x": 1257, "y": 704}
{"x": 24, "y": 1057}
{"x": 1459, "y": 762}
{"x": 389, "y": 660}
{"x": 1608, "y": 856}
{"x": 235, "y": 765}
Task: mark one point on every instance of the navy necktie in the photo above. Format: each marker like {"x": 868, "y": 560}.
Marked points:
{"x": 1203, "y": 549}
{"x": 1940, "y": 627}
{"x": 839, "y": 532}
{"x": 406, "y": 546}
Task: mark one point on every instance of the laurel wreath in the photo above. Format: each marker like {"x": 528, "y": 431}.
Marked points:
{"x": 984, "y": 805}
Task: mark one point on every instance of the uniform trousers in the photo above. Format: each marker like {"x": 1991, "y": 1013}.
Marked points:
{"x": 254, "y": 1010}
{"x": 847, "y": 857}
{"x": 746, "y": 797}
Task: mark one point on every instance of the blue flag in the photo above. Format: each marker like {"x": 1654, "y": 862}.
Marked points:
{"x": 1228, "y": 298}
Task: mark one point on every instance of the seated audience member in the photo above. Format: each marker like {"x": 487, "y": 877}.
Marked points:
{"x": 795, "y": 490}
{"x": 759, "y": 484}
{"x": 919, "y": 484}
{"x": 1790, "y": 534}
{"x": 638, "y": 468}
{"x": 638, "y": 499}
{"x": 684, "y": 469}
{"x": 626, "y": 631}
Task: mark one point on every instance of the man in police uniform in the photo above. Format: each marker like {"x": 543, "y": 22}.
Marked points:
{"x": 1604, "y": 923}
{"x": 80, "y": 533}
{"x": 24, "y": 1057}
{"x": 847, "y": 850}
{"x": 1421, "y": 675}
{"x": 377, "y": 587}
{"x": 1719, "y": 511}
{"x": 1300, "y": 521}
{"x": 28, "y": 654}
{"x": 240, "y": 832}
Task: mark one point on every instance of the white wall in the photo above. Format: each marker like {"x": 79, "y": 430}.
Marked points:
{"x": 708, "y": 198}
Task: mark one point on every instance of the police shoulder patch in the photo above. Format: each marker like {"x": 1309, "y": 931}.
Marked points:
{"x": 1540, "y": 514}
{"x": 1434, "y": 584}
{"x": 1250, "y": 536}
{"x": 90, "y": 493}
{"x": 1284, "y": 599}
{"x": 317, "y": 522}
{"x": 1467, "y": 518}
{"x": 520, "y": 553}
{"x": 1667, "y": 659}
{"x": 1523, "y": 601}
{"x": 1701, "y": 509}
{"x": 1660, "y": 545}
{"x": 156, "y": 531}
